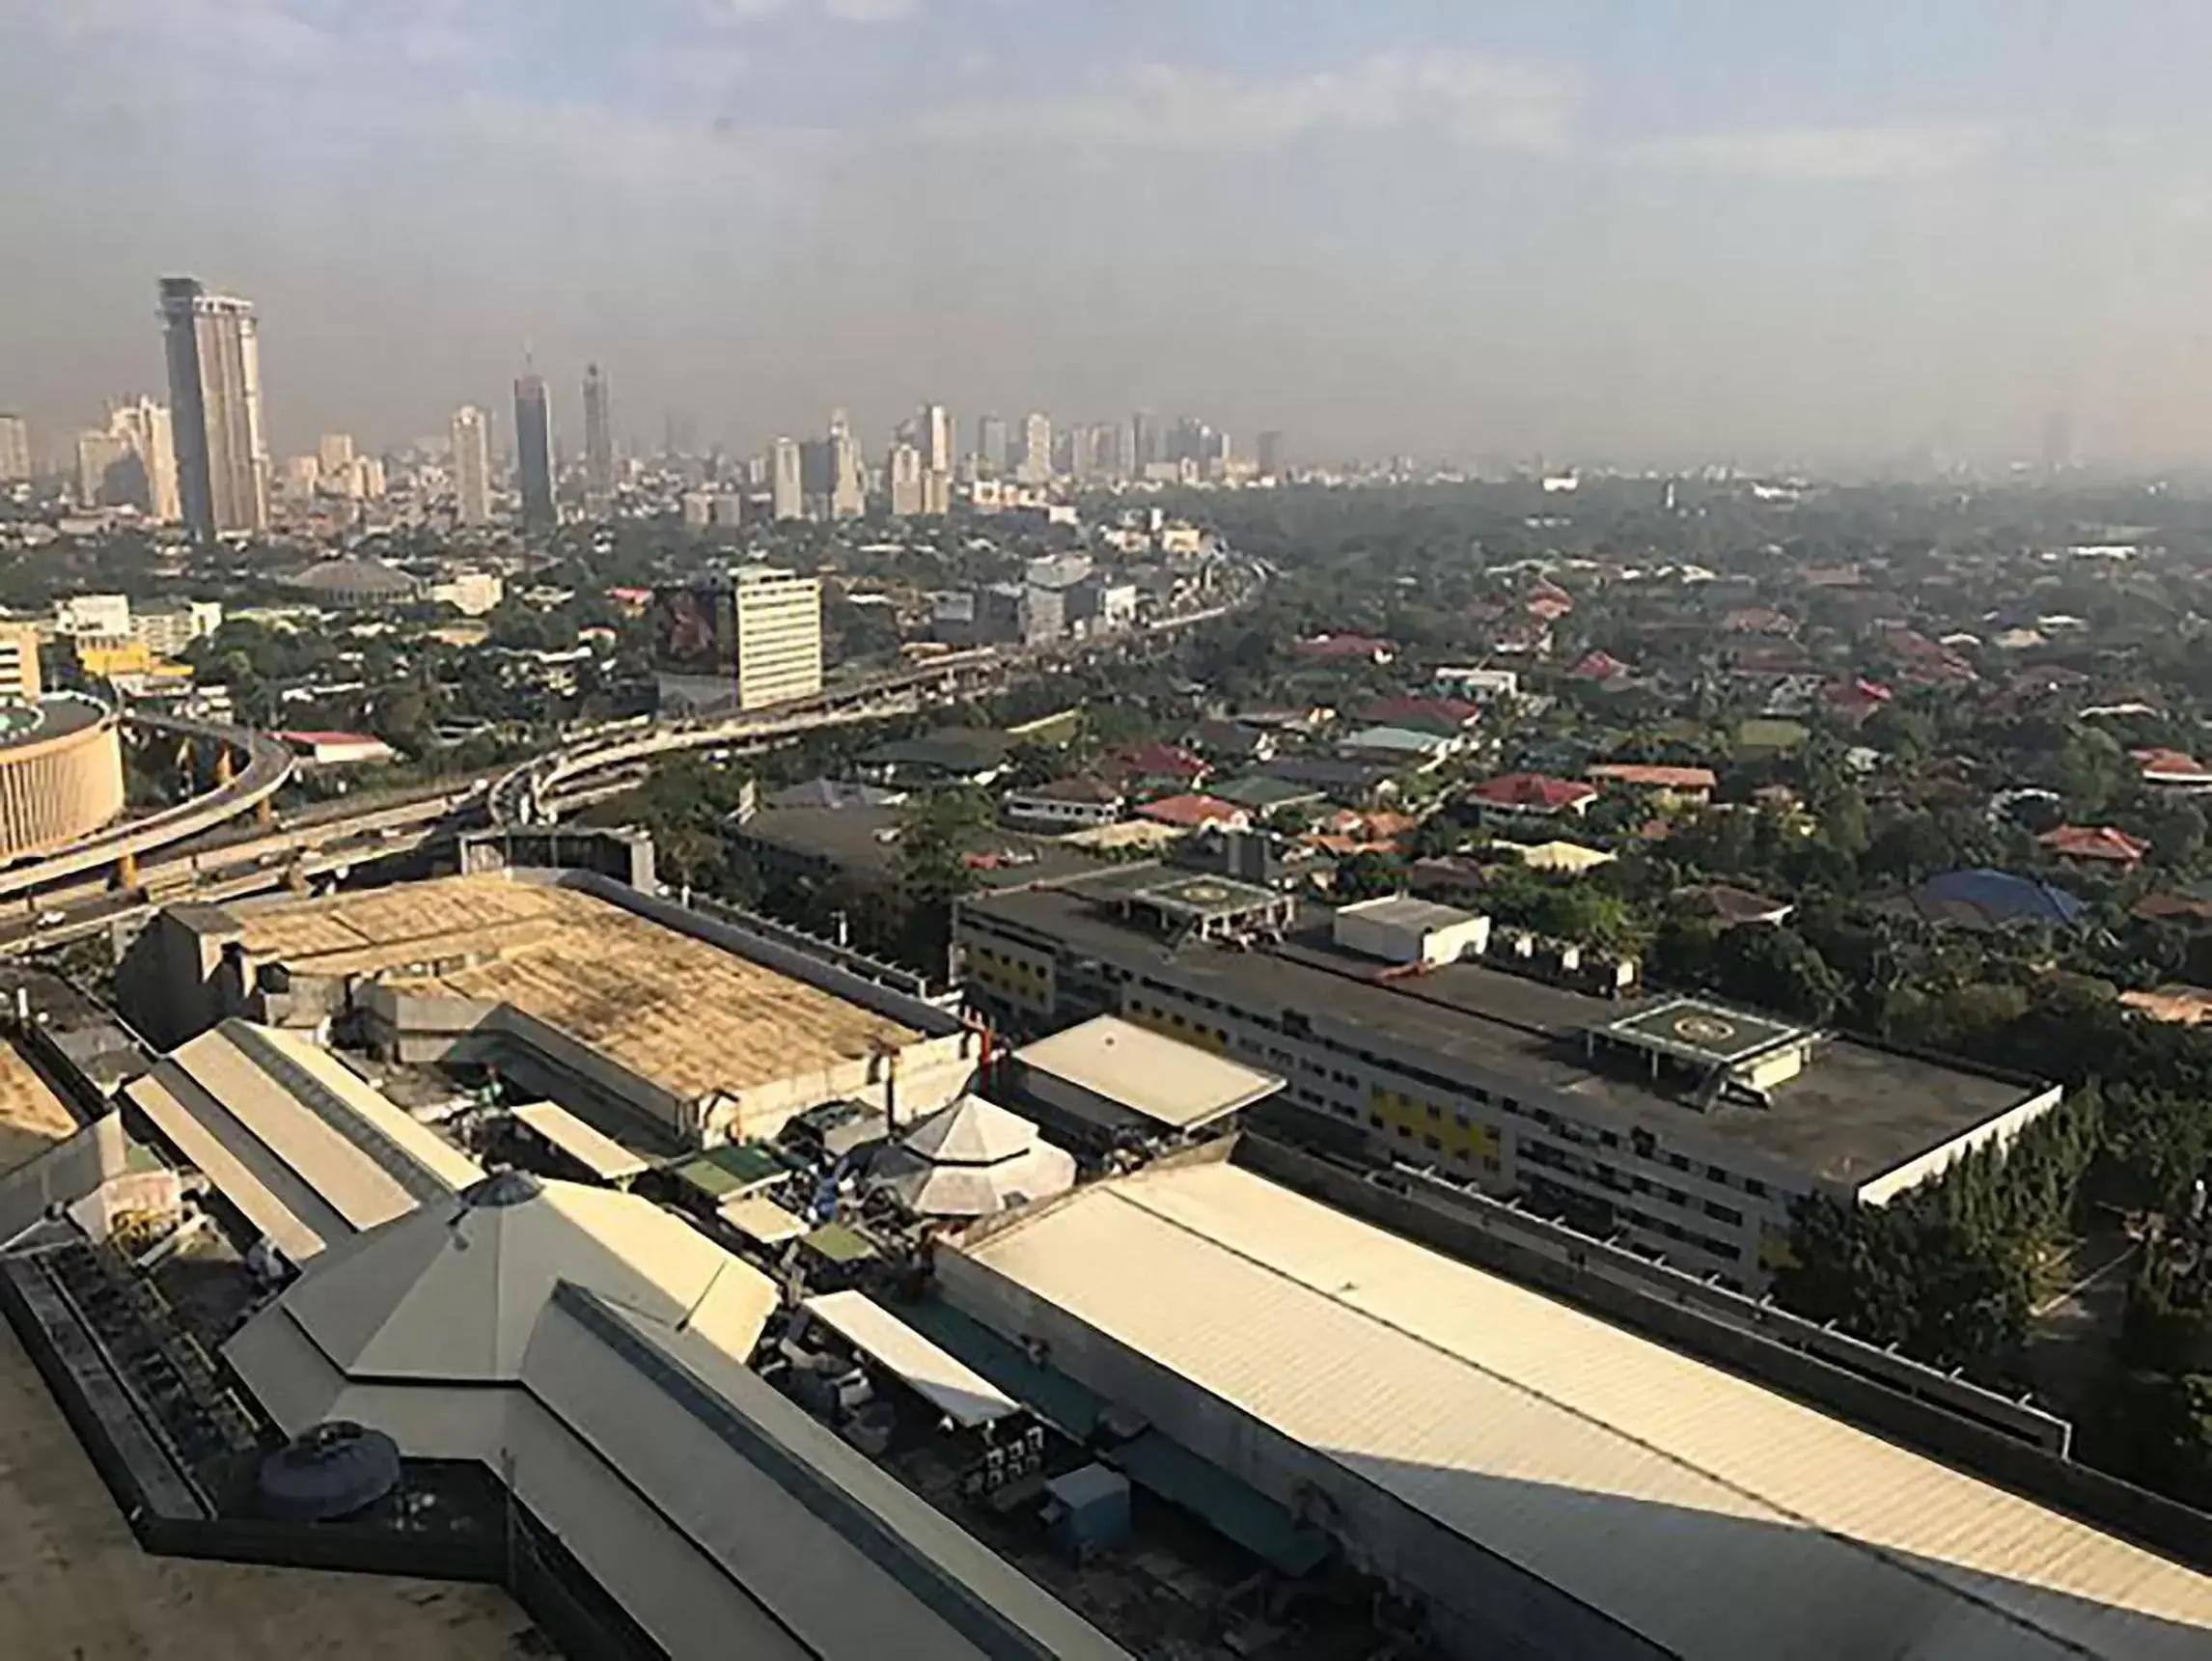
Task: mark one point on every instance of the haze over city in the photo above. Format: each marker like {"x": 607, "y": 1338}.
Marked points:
{"x": 1454, "y": 231}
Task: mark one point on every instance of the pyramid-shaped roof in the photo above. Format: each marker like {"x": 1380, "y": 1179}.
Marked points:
{"x": 452, "y": 1290}
{"x": 972, "y": 1132}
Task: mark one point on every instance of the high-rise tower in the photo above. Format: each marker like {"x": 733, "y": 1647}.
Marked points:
{"x": 215, "y": 409}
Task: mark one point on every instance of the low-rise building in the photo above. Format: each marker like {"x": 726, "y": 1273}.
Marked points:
{"x": 1076, "y": 803}
{"x": 1690, "y": 1128}
{"x": 572, "y": 986}
{"x": 1533, "y": 795}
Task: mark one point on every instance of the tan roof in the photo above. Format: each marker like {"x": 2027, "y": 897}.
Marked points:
{"x": 306, "y": 1150}
{"x": 32, "y": 1117}
{"x": 597, "y": 1153}
{"x": 452, "y": 1293}
{"x": 673, "y": 1009}
{"x": 1714, "y": 1516}
{"x": 1162, "y": 1079}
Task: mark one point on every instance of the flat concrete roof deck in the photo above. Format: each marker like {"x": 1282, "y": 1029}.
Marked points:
{"x": 679, "y": 1012}
{"x": 32, "y": 1117}
{"x": 1855, "y": 1111}
{"x": 74, "y": 1581}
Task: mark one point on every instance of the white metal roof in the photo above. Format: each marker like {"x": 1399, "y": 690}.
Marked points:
{"x": 599, "y": 1153}
{"x": 928, "y": 1189}
{"x": 1151, "y": 1075}
{"x": 971, "y": 1132}
{"x": 950, "y": 1384}
{"x": 308, "y": 1150}
{"x": 1714, "y": 1516}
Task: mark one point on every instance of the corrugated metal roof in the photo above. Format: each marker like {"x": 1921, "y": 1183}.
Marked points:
{"x": 951, "y": 1385}
{"x": 599, "y": 1153}
{"x": 310, "y": 1152}
{"x": 1713, "y": 1515}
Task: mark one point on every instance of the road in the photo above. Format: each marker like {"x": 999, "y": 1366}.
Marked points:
{"x": 197, "y": 849}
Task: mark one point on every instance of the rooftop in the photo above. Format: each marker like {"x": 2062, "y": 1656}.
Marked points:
{"x": 1173, "y": 1083}
{"x": 32, "y": 1117}
{"x": 74, "y": 1582}
{"x": 1854, "y": 1112}
{"x": 673, "y": 1009}
{"x": 1637, "y": 1481}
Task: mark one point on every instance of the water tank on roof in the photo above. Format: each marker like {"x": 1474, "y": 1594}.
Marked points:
{"x": 329, "y": 1471}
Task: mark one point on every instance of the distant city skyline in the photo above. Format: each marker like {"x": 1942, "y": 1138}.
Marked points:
{"x": 1468, "y": 231}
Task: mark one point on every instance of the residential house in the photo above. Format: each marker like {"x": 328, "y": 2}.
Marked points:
{"x": 1534, "y": 795}
{"x": 2173, "y": 770}
{"x": 1727, "y": 906}
{"x": 1143, "y": 767}
{"x": 1356, "y": 783}
{"x": 1347, "y": 648}
{"x": 949, "y": 756}
{"x": 1266, "y": 796}
{"x": 2097, "y": 845}
{"x": 1235, "y": 743}
{"x": 1599, "y": 667}
{"x": 1481, "y": 685}
{"x": 1669, "y": 786}
{"x": 1078, "y": 802}
{"x": 1197, "y": 813}
{"x": 1402, "y": 747}
{"x": 1557, "y": 858}
{"x": 1453, "y": 717}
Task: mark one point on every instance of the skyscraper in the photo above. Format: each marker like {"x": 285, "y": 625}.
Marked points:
{"x": 902, "y": 475}
{"x": 778, "y": 636}
{"x": 1035, "y": 467}
{"x": 786, "y": 481}
{"x": 935, "y": 438}
{"x": 334, "y": 452}
{"x": 1271, "y": 454}
{"x": 533, "y": 450}
{"x": 14, "y": 448}
{"x": 472, "y": 466}
{"x": 847, "y": 482}
{"x": 991, "y": 445}
{"x": 598, "y": 435}
{"x": 148, "y": 434}
{"x": 100, "y": 459}
{"x": 1143, "y": 441}
{"x": 213, "y": 349}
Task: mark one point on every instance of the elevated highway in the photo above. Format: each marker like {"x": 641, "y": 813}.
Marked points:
{"x": 268, "y": 768}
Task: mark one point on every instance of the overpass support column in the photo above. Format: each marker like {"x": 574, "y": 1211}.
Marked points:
{"x": 127, "y": 871}
{"x": 265, "y": 811}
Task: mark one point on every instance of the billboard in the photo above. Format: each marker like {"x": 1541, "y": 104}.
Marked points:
{"x": 695, "y": 632}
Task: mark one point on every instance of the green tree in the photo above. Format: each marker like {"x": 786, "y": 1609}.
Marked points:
{"x": 1368, "y": 876}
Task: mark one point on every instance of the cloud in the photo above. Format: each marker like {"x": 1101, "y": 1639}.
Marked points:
{"x": 1816, "y": 155}
{"x": 1166, "y": 106}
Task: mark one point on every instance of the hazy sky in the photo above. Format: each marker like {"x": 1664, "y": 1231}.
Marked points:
{"x": 1640, "y": 227}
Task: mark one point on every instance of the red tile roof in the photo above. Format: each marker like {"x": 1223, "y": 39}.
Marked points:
{"x": 1194, "y": 812}
{"x": 2169, "y": 763}
{"x": 2095, "y": 842}
{"x": 1537, "y": 791}
{"x": 1159, "y": 762}
{"x": 1599, "y": 666}
{"x": 1653, "y": 777}
{"x": 1340, "y": 647}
